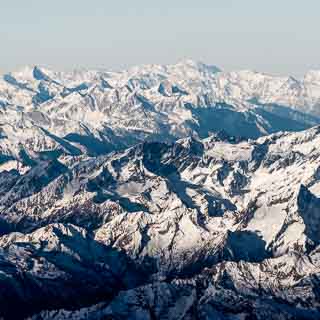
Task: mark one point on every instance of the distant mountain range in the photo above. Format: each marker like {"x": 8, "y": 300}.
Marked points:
{"x": 161, "y": 192}
{"x": 46, "y": 113}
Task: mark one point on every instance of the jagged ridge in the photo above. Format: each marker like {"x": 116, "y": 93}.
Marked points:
{"x": 219, "y": 227}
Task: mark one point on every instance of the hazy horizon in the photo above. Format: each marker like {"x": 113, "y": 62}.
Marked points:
{"x": 270, "y": 37}
{"x": 127, "y": 67}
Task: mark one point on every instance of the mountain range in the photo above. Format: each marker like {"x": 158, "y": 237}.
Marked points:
{"x": 46, "y": 113}
{"x": 160, "y": 192}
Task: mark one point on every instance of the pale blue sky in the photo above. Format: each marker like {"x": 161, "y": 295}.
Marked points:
{"x": 276, "y": 36}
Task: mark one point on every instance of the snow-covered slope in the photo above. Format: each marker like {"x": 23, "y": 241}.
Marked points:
{"x": 46, "y": 113}
{"x": 218, "y": 228}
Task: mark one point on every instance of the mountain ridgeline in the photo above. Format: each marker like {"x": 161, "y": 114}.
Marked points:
{"x": 46, "y": 113}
